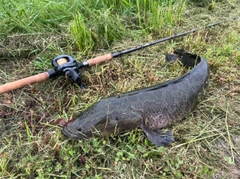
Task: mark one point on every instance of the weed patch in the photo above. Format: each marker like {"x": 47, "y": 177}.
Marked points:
{"x": 32, "y": 33}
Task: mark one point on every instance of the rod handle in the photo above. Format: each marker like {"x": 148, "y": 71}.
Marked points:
{"x": 100, "y": 59}
{"x": 24, "y": 82}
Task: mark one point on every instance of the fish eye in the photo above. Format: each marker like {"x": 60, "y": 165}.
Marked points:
{"x": 80, "y": 129}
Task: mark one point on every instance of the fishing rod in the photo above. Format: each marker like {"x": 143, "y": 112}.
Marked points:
{"x": 68, "y": 66}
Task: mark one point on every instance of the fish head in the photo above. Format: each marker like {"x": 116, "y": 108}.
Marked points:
{"x": 92, "y": 123}
{"x": 101, "y": 123}
{"x": 85, "y": 126}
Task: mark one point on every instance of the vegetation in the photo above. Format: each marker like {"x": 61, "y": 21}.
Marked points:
{"x": 32, "y": 33}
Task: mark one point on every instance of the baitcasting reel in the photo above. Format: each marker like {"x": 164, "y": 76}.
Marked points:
{"x": 68, "y": 66}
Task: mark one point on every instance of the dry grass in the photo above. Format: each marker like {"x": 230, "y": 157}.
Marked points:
{"x": 207, "y": 142}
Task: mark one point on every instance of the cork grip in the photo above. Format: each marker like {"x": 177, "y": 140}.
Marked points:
{"x": 96, "y": 60}
{"x": 23, "y": 82}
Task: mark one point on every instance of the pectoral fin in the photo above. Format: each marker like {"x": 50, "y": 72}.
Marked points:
{"x": 157, "y": 137}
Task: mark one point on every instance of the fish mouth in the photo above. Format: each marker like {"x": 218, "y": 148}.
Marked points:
{"x": 67, "y": 131}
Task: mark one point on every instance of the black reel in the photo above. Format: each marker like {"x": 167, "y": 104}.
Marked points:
{"x": 69, "y": 68}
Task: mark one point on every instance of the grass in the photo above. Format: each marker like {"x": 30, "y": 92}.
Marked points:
{"x": 33, "y": 33}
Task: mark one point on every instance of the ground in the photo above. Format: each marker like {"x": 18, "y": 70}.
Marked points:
{"x": 207, "y": 141}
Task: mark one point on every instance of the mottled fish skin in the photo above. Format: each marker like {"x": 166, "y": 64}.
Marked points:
{"x": 151, "y": 108}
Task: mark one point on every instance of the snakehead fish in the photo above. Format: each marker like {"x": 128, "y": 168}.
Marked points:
{"x": 151, "y": 108}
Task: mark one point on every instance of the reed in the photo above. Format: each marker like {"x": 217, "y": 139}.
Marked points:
{"x": 81, "y": 34}
{"x": 154, "y": 16}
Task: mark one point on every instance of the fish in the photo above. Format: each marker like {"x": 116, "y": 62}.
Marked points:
{"x": 152, "y": 109}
